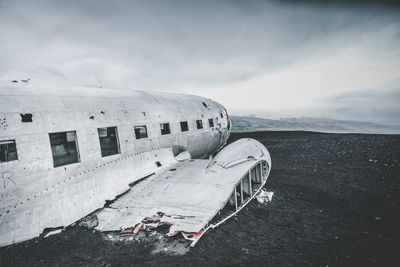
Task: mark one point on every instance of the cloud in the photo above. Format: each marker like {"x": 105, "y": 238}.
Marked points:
{"x": 379, "y": 104}
{"x": 221, "y": 49}
{"x": 355, "y": 3}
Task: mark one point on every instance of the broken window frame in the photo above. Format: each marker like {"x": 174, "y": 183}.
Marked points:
{"x": 115, "y": 149}
{"x": 5, "y": 151}
{"x": 139, "y": 134}
{"x": 26, "y": 117}
{"x": 60, "y": 145}
{"x": 211, "y": 122}
{"x": 165, "y": 128}
{"x": 184, "y": 126}
{"x": 199, "y": 124}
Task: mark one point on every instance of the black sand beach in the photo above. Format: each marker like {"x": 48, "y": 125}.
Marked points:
{"x": 336, "y": 202}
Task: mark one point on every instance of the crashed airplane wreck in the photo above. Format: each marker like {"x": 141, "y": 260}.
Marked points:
{"x": 158, "y": 158}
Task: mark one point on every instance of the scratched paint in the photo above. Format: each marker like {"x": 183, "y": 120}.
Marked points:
{"x": 6, "y": 176}
{"x": 34, "y": 195}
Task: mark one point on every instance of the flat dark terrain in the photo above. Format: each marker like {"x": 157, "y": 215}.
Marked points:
{"x": 336, "y": 202}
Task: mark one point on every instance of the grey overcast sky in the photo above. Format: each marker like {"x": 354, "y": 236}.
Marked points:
{"x": 335, "y": 59}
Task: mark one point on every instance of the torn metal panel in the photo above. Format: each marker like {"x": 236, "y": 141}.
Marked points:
{"x": 189, "y": 194}
{"x": 92, "y": 166}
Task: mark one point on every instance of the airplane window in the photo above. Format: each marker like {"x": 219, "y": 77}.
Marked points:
{"x": 210, "y": 123}
{"x": 205, "y": 105}
{"x": 199, "y": 124}
{"x": 140, "y": 132}
{"x": 8, "y": 151}
{"x": 108, "y": 141}
{"x": 222, "y": 115}
{"x": 64, "y": 148}
{"x": 165, "y": 128}
{"x": 184, "y": 126}
{"x": 26, "y": 117}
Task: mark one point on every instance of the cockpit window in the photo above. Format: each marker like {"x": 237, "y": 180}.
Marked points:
{"x": 108, "y": 141}
{"x": 64, "y": 148}
{"x": 8, "y": 151}
{"x": 210, "y": 123}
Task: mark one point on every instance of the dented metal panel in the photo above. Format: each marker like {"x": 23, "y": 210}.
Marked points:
{"x": 189, "y": 194}
{"x": 36, "y": 194}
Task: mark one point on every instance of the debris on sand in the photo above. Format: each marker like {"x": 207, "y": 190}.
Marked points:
{"x": 89, "y": 222}
{"x": 170, "y": 247}
{"x": 153, "y": 238}
{"x": 54, "y": 232}
{"x": 264, "y": 196}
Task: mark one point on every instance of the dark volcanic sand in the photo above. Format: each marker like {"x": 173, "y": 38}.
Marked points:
{"x": 336, "y": 202}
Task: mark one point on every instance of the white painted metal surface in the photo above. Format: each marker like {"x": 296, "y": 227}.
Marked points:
{"x": 35, "y": 195}
{"x": 190, "y": 193}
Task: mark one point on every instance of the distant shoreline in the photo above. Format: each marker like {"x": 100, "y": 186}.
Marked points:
{"x": 251, "y": 124}
{"x": 303, "y": 131}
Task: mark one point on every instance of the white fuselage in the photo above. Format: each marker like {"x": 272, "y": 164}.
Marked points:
{"x": 34, "y": 194}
